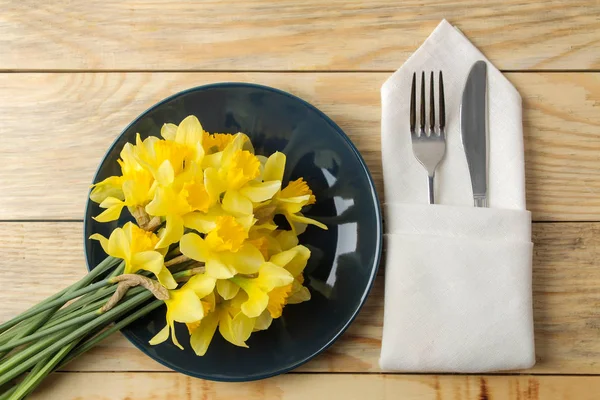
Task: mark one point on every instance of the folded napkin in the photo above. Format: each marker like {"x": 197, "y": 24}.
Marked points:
{"x": 458, "y": 278}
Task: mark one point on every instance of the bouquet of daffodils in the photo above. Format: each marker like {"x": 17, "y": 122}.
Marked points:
{"x": 204, "y": 243}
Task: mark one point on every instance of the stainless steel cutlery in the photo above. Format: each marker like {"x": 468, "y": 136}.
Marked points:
{"x": 429, "y": 138}
{"x": 473, "y": 126}
{"x": 429, "y": 144}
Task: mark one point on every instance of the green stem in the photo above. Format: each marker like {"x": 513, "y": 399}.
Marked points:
{"x": 85, "y": 346}
{"x": 24, "y": 360}
{"x": 37, "y": 376}
{"x": 6, "y": 395}
{"x": 75, "y": 313}
{"x": 56, "y": 328}
{"x": 55, "y": 303}
{"x": 26, "y": 327}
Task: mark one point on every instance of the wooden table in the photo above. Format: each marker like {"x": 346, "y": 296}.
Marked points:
{"x": 74, "y": 73}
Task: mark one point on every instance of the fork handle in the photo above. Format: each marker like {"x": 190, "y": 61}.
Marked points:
{"x": 430, "y": 181}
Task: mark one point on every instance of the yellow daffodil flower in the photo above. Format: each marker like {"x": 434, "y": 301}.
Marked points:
{"x": 290, "y": 200}
{"x": 188, "y": 134}
{"x": 235, "y": 326}
{"x": 238, "y": 178}
{"x": 185, "y": 305}
{"x": 133, "y": 189}
{"x": 216, "y": 142}
{"x": 176, "y": 199}
{"x": 270, "y": 276}
{"x": 224, "y": 250}
{"x": 137, "y": 247}
{"x": 294, "y": 261}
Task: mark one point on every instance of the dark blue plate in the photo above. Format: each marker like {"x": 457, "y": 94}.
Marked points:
{"x": 344, "y": 259}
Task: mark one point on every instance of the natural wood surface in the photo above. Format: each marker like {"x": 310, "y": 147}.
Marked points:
{"x": 159, "y": 386}
{"x": 56, "y": 127}
{"x": 288, "y": 34}
{"x": 74, "y": 73}
{"x": 40, "y": 258}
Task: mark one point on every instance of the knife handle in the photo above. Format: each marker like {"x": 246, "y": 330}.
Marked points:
{"x": 481, "y": 201}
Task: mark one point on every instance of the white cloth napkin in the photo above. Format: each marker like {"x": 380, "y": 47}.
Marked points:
{"x": 458, "y": 278}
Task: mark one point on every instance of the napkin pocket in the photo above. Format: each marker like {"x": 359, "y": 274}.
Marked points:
{"x": 457, "y": 290}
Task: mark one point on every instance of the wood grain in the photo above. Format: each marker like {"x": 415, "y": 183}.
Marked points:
{"x": 56, "y": 127}
{"x": 158, "y": 386}
{"x": 288, "y": 34}
{"x": 40, "y": 258}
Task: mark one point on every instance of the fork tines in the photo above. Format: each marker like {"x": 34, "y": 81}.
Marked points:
{"x": 413, "y": 105}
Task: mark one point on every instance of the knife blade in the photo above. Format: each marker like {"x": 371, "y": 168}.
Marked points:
{"x": 474, "y": 132}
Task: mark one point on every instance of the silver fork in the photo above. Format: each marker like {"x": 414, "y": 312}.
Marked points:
{"x": 429, "y": 145}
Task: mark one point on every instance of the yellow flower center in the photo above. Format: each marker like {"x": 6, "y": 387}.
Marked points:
{"x": 175, "y": 152}
{"x": 140, "y": 239}
{"x": 228, "y": 235}
{"x": 277, "y": 299}
{"x": 297, "y": 188}
{"x": 216, "y": 142}
{"x": 196, "y": 196}
{"x": 243, "y": 167}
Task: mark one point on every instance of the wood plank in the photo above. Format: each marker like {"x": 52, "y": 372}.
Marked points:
{"x": 157, "y": 386}
{"x": 40, "y": 258}
{"x": 56, "y": 127}
{"x": 288, "y": 34}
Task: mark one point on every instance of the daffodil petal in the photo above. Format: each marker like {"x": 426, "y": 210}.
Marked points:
{"x": 258, "y": 192}
{"x": 274, "y": 167}
{"x": 166, "y": 279}
{"x": 247, "y": 260}
{"x": 201, "y": 284}
{"x": 227, "y": 289}
{"x": 202, "y": 336}
{"x": 113, "y": 210}
{"x": 246, "y": 221}
{"x": 213, "y": 184}
{"x": 236, "y": 144}
{"x": 168, "y": 131}
{"x": 161, "y": 336}
{"x": 103, "y": 241}
{"x": 173, "y": 336}
{"x": 165, "y": 173}
{"x": 110, "y": 187}
{"x": 212, "y": 160}
{"x": 271, "y": 276}
{"x": 236, "y": 330}
{"x": 218, "y": 269}
{"x": 296, "y": 264}
{"x": 202, "y": 222}
{"x": 149, "y": 261}
{"x": 257, "y": 302}
{"x": 173, "y": 231}
{"x": 263, "y": 321}
{"x": 299, "y": 293}
{"x": 304, "y": 220}
{"x": 241, "y": 328}
{"x": 225, "y": 321}
{"x": 194, "y": 247}
{"x": 283, "y": 258}
{"x": 118, "y": 244}
{"x": 235, "y": 203}
{"x": 287, "y": 239}
{"x": 189, "y": 132}
{"x": 184, "y": 306}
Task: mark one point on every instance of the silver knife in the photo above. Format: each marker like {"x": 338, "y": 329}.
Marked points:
{"x": 473, "y": 125}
